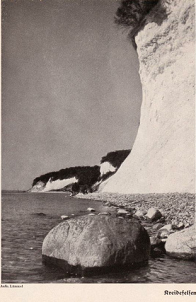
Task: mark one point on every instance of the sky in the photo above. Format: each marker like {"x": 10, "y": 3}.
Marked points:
{"x": 71, "y": 90}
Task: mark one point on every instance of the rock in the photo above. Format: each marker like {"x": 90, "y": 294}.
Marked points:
{"x": 157, "y": 246}
{"x": 180, "y": 225}
{"x": 91, "y": 210}
{"x": 154, "y": 241}
{"x": 64, "y": 217}
{"x": 91, "y": 214}
{"x": 122, "y": 212}
{"x": 140, "y": 213}
{"x": 174, "y": 227}
{"x": 157, "y": 226}
{"x": 104, "y": 213}
{"x": 161, "y": 220}
{"x": 174, "y": 221}
{"x": 187, "y": 225}
{"x": 163, "y": 235}
{"x": 182, "y": 244}
{"x": 153, "y": 214}
{"x": 100, "y": 242}
{"x": 167, "y": 227}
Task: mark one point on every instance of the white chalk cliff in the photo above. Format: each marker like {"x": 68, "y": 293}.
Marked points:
{"x": 53, "y": 184}
{"x": 59, "y": 184}
{"x": 163, "y": 155}
{"x": 106, "y": 167}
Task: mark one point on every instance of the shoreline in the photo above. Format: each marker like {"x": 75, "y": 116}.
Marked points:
{"x": 175, "y": 207}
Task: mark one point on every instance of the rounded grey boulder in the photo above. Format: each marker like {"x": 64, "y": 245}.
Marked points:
{"x": 89, "y": 242}
{"x": 182, "y": 244}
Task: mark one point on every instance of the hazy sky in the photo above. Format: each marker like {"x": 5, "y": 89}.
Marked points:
{"x": 70, "y": 87}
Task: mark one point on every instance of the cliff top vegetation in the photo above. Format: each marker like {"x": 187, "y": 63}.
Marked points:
{"x": 85, "y": 175}
{"x": 116, "y": 157}
{"x": 131, "y": 13}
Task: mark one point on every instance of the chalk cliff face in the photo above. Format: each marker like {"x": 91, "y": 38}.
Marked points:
{"x": 162, "y": 158}
{"x": 107, "y": 167}
{"x": 53, "y": 185}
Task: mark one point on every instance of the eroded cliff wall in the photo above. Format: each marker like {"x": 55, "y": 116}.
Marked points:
{"x": 162, "y": 158}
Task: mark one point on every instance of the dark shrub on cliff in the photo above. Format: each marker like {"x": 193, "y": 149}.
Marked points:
{"x": 116, "y": 157}
{"x": 86, "y": 175}
{"x": 131, "y": 13}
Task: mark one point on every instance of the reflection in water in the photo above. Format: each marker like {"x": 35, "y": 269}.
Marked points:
{"x": 27, "y": 218}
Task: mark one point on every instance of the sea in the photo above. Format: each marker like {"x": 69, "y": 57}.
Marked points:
{"x": 26, "y": 220}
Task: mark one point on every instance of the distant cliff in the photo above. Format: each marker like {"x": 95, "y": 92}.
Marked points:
{"x": 163, "y": 156}
{"x": 80, "y": 179}
{"x": 84, "y": 177}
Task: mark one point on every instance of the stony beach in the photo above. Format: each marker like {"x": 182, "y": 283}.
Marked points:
{"x": 177, "y": 209}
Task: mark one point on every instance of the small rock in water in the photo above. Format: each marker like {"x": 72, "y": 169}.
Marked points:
{"x": 91, "y": 210}
{"x": 122, "y": 212}
{"x": 64, "y": 217}
{"x": 72, "y": 214}
{"x": 163, "y": 235}
{"x": 164, "y": 239}
{"x": 31, "y": 248}
{"x": 104, "y": 213}
{"x": 128, "y": 215}
{"x": 153, "y": 214}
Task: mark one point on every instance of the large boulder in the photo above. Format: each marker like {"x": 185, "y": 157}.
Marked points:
{"x": 182, "y": 244}
{"x": 88, "y": 243}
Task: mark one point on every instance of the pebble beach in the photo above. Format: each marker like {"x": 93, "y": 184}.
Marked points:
{"x": 176, "y": 208}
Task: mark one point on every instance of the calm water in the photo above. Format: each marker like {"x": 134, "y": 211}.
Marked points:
{"x": 24, "y": 227}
